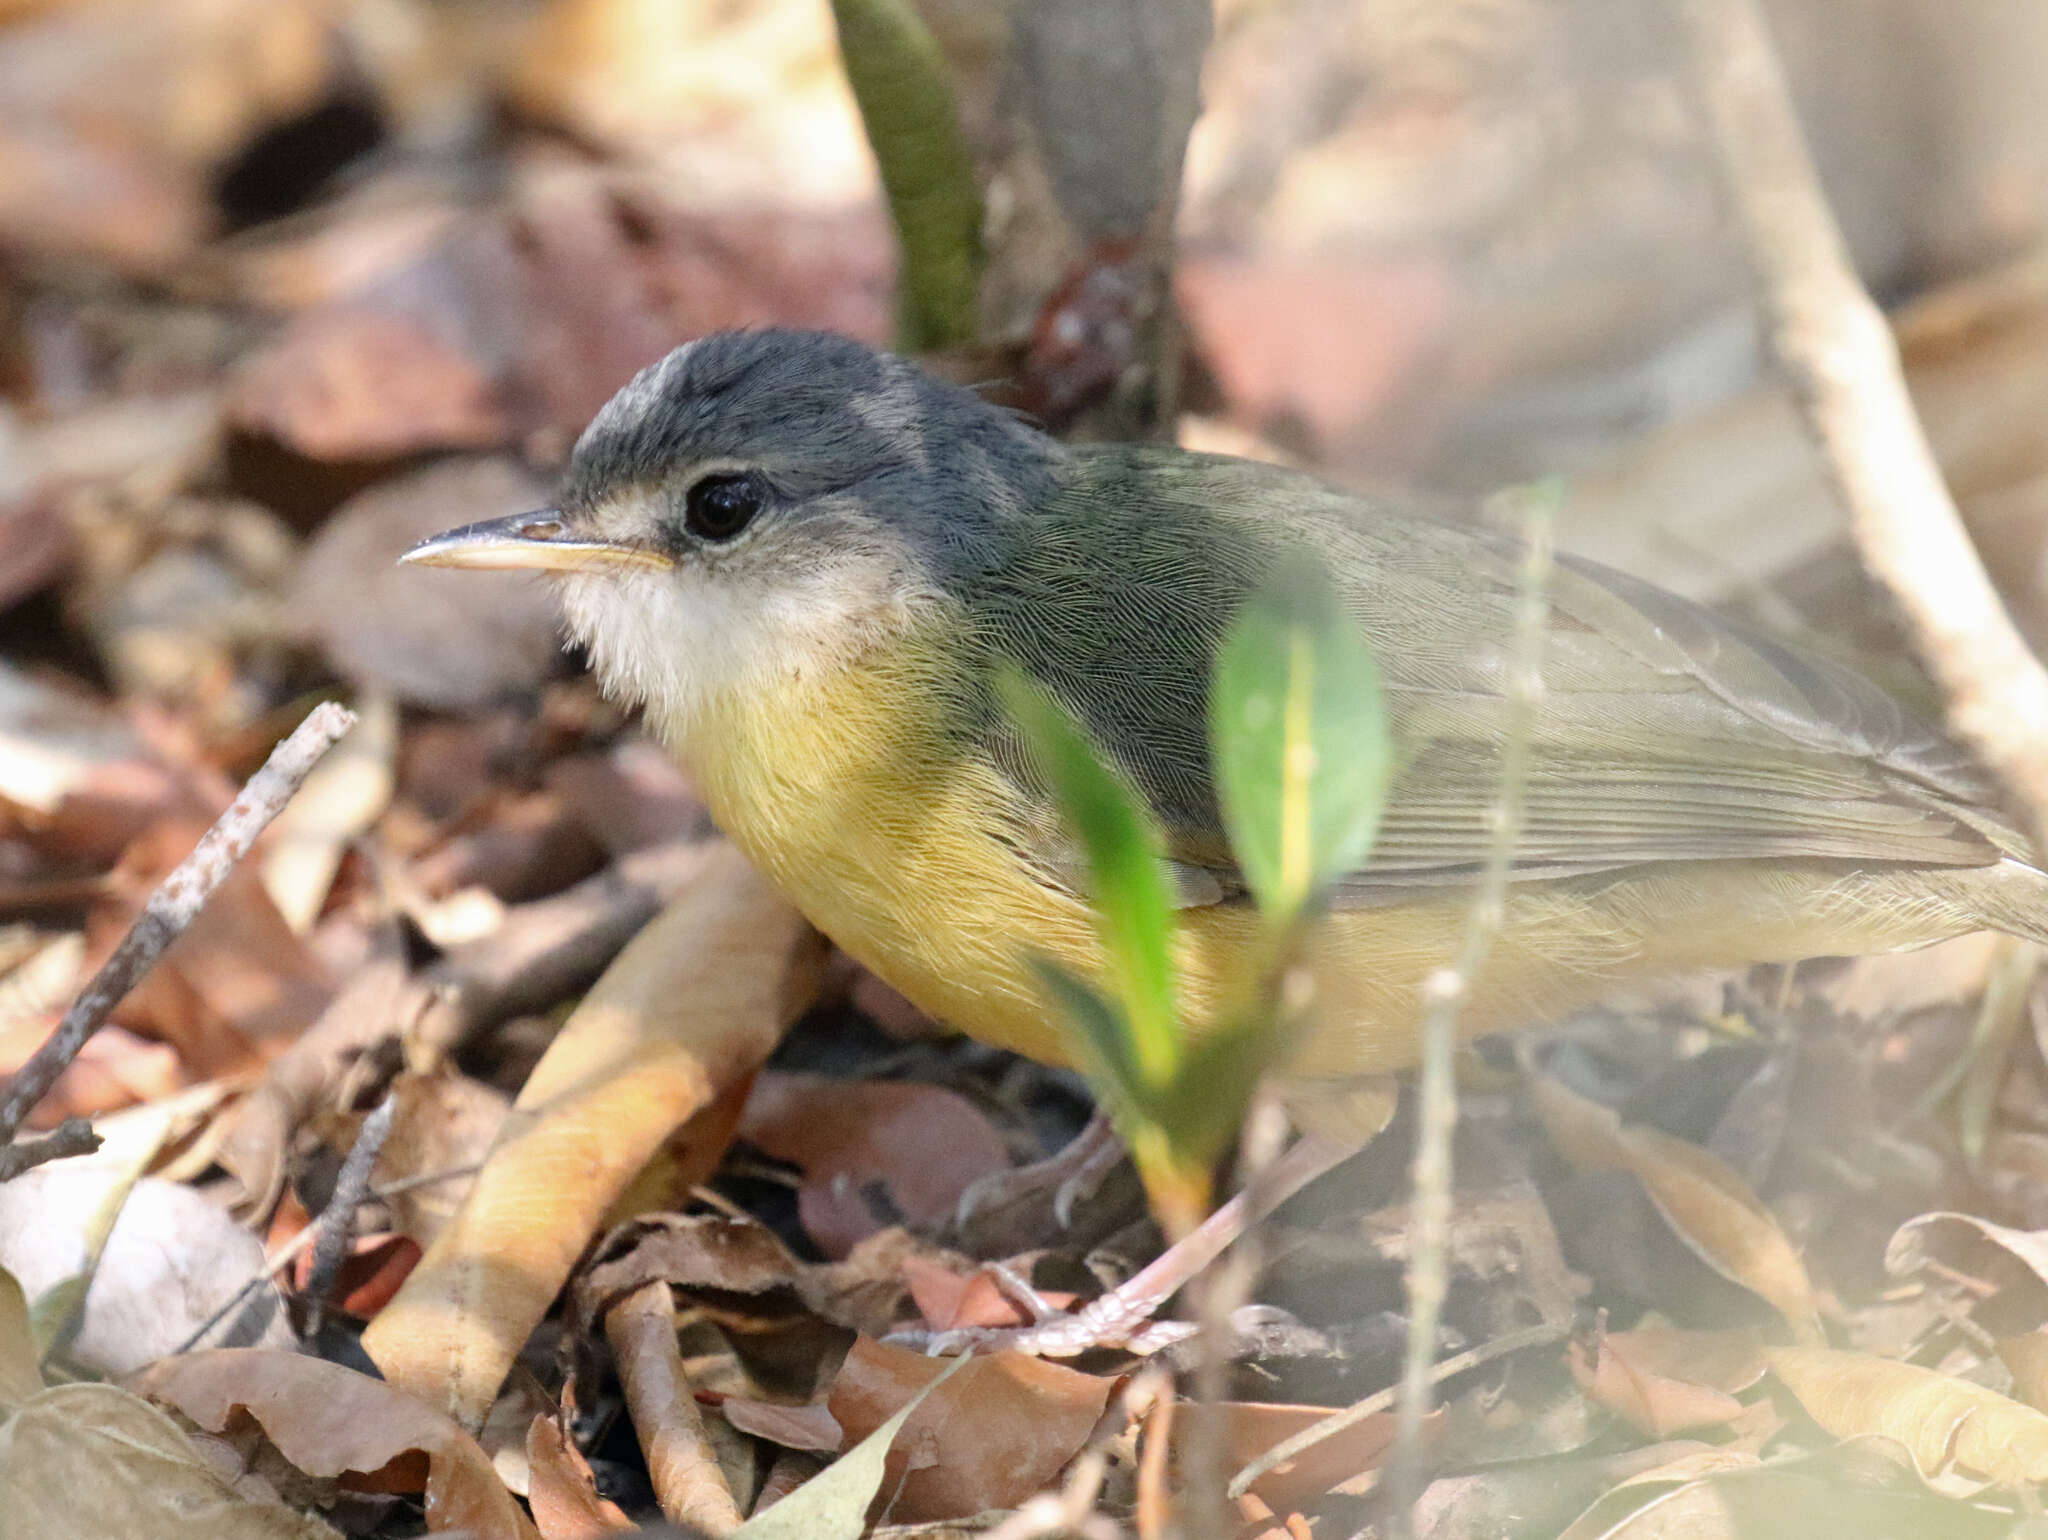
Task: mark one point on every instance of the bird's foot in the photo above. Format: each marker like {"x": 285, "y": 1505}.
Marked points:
{"x": 1072, "y": 1175}
{"x": 1122, "y": 1320}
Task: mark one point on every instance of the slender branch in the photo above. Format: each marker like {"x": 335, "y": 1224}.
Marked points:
{"x": 1379, "y": 1401}
{"x": 174, "y": 906}
{"x": 336, "y": 1226}
{"x": 276, "y": 1261}
{"x": 73, "y": 1136}
{"x": 1843, "y": 364}
{"x": 1445, "y": 993}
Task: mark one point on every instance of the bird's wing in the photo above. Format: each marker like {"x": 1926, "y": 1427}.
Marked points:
{"x": 1664, "y": 732}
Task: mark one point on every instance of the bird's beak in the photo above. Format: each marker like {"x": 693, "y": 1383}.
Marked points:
{"x": 527, "y": 541}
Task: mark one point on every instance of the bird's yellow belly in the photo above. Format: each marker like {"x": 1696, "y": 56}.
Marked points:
{"x": 892, "y": 849}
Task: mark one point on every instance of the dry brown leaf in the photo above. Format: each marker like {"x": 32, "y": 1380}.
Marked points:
{"x": 2026, "y": 1355}
{"x": 631, "y": 797}
{"x": 1707, "y": 1205}
{"x": 355, "y": 382}
{"x": 55, "y": 743}
{"x": 544, "y": 951}
{"x": 1666, "y": 1382}
{"x": 1250, "y": 1428}
{"x": 365, "y": 1010}
{"x": 419, "y": 634}
{"x": 115, "y": 1069}
{"x": 922, "y": 1145}
{"x": 97, "y": 1460}
{"x": 949, "y": 1298}
{"x": 2014, "y": 1262}
{"x": 332, "y": 1422}
{"x": 687, "y": 1011}
{"x": 993, "y": 1435}
{"x": 562, "y": 1490}
{"x": 811, "y": 1427}
{"x": 236, "y": 986}
{"x": 115, "y": 114}
{"x": 791, "y": 1321}
{"x": 444, "y": 1127}
{"x": 1945, "y": 1423}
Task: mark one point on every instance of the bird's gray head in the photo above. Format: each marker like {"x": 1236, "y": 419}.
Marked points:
{"x": 766, "y": 502}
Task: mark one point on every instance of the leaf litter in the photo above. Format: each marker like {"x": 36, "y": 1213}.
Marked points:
{"x": 1800, "y": 1256}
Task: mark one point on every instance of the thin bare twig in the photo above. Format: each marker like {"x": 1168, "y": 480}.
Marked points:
{"x": 1290, "y": 1448}
{"x": 276, "y": 1261}
{"x": 174, "y": 905}
{"x": 1428, "y": 1264}
{"x": 336, "y": 1225}
{"x": 73, "y": 1136}
{"x": 1843, "y": 364}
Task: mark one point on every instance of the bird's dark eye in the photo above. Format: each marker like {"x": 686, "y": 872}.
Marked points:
{"x": 719, "y": 506}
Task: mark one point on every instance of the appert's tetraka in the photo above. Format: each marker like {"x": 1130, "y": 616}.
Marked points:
{"x": 806, "y": 558}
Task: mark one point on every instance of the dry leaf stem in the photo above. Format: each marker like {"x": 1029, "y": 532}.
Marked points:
{"x": 174, "y": 906}
{"x": 1350, "y": 1416}
{"x": 1843, "y": 364}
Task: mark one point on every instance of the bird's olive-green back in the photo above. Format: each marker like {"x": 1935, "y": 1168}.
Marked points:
{"x": 1665, "y": 733}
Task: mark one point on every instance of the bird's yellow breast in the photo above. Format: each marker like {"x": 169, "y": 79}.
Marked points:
{"x": 886, "y": 834}
{"x": 890, "y": 835}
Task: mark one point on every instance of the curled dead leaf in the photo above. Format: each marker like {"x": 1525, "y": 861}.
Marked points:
{"x": 2013, "y": 1262}
{"x": 1946, "y": 1424}
{"x": 93, "y": 1459}
{"x": 562, "y": 1490}
{"x": 682, "y": 1017}
{"x": 920, "y": 1145}
{"x": 1664, "y": 1382}
{"x": 1250, "y": 1428}
{"x": 1707, "y": 1205}
{"x": 993, "y": 1435}
{"x": 330, "y": 1421}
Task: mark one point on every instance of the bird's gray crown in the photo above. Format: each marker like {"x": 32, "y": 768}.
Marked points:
{"x": 818, "y": 414}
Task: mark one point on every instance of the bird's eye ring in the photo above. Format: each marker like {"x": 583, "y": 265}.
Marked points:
{"x": 717, "y": 507}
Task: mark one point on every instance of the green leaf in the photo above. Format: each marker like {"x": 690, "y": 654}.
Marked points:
{"x": 833, "y": 1505}
{"x": 1098, "y": 1020}
{"x": 1299, "y": 740}
{"x": 1205, "y": 1106}
{"x": 898, "y": 75}
{"x": 1133, "y": 908}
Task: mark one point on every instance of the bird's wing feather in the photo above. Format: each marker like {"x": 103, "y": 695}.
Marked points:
{"x": 1665, "y": 733}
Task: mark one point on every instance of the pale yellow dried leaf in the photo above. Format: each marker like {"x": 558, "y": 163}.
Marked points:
{"x": 1945, "y": 1423}
{"x": 1709, "y": 1207}
{"x": 97, "y": 1460}
{"x": 2027, "y": 1357}
{"x": 20, "y": 1377}
{"x": 688, "y": 1011}
{"x": 343, "y": 796}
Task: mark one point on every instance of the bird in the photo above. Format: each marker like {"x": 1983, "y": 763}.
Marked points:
{"x": 809, "y": 561}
